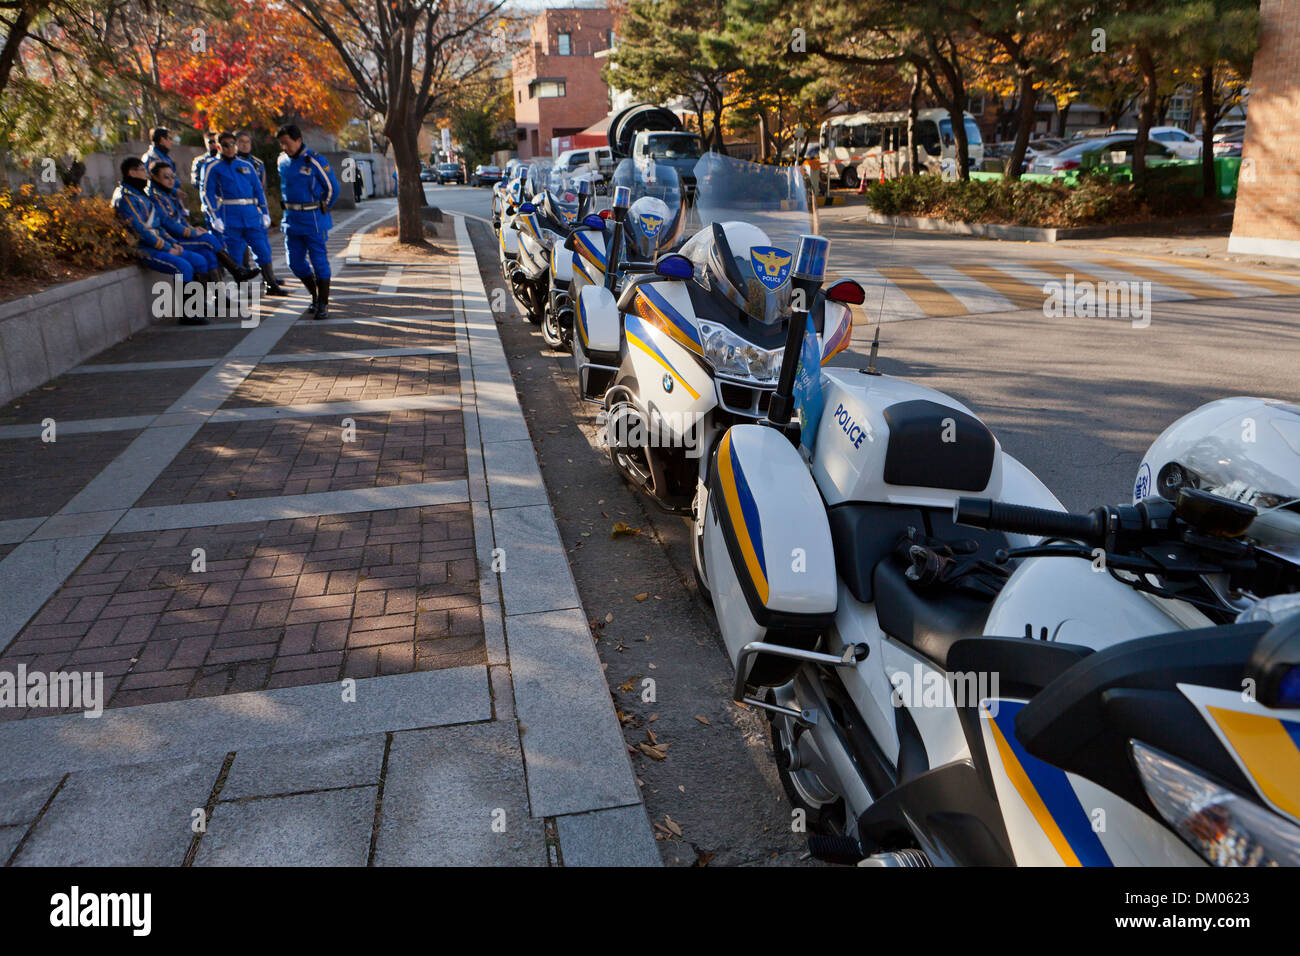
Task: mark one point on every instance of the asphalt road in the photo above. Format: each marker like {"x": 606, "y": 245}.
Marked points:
{"x": 1077, "y": 400}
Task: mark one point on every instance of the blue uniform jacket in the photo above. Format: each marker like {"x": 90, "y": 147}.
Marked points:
{"x": 140, "y": 213}
{"x": 257, "y": 164}
{"x": 171, "y": 213}
{"x": 307, "y": 178}
{"x": 155, "y": 153}
{"x": 227, "y": 183}
{"x": 197, "y": 168}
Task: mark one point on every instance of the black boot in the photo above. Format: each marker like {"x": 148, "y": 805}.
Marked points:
{"x": 273, "y": 286}
{"x": 322, "y": 298}
{"x": 310, "y": 283}
{"x": 234, "y": 268}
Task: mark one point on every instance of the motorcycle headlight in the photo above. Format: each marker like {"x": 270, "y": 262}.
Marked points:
{"x": 729, "y": 354}
{"x": 1224, "y": 828}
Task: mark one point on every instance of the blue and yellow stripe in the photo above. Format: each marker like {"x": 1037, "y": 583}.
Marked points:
{"x": 637, "y": 336}
{"x": 1047, "y": 793}
{"x": 839, "y": 341}
{"x": 587, "y": 250}
{"x": 1269, "y": 749}
{"x": 582, "y": 321}
{"x": 743, "y": 512}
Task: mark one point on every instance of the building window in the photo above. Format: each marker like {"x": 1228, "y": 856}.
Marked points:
{"x": 564, "y": 43}
{"x": 545, "y": 89}
{"x": 519, "y": 96}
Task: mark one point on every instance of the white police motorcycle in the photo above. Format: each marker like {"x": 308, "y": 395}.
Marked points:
{"x": 956, "y": 671}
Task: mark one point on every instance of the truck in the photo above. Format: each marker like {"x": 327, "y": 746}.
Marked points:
{"x": 650, "y": 133}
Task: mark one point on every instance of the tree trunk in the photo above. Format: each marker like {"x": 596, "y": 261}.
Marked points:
{"x": 1024, "y": 124}
{"x": 762, "y": 136}
{"x": 913, "y": 107}
{"x": 23, "y": 18}
{"x": 1146, "y": 117}
{"x": 406, "y": 151}
{"x": 1209, "y": 116}
{"x": 1062, "y": 115}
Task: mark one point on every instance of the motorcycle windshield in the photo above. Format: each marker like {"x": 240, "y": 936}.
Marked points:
{"x": 564, "y": 190}
{"x": 750, "y": 218}
{"x": 776, "y": 199}
{"x": 654, "y": 217}
{"x": 536, "y": 180}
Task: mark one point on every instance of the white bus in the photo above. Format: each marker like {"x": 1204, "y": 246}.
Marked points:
{"x": 880, "y": 139}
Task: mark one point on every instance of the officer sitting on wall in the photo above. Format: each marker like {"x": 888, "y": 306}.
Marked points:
{"x": 236, "y": 205}
{"x": 309, "y": 191}
{"x": 167, "y": 199}
{"x": 154, "y": 249}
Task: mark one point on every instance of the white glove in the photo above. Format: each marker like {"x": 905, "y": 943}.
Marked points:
{"x": 266, "y": 221}
{"x": 218, "y": 225}
{"x": 284, "y": 224}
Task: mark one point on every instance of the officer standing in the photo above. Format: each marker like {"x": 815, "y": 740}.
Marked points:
{"x": 132, "y": 203}
{"x": 309, "y": 191}
{"x": 160, "y": 151}
{"x": 236, "y": 205}
{"x": 201, "y": 163}
{"x": 244, "y": 145}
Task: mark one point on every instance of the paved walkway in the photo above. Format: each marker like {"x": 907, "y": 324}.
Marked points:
{"x": 315, "y": 568}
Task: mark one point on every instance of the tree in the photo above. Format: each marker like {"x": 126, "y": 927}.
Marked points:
{"x": 406, "y": 58}
{"x": 478, "y": 118}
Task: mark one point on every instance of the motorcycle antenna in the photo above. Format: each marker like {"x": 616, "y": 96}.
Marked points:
{"x": 875, "y": 339}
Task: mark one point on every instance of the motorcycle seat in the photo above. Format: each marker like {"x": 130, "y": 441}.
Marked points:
{"x": 929, "y": 622}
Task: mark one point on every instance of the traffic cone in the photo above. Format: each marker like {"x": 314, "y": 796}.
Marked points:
{"x": 862, "y": 185}
{"x": 882, "y": 172}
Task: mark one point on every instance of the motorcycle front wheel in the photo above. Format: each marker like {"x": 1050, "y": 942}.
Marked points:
{"x": 823, "y": 809}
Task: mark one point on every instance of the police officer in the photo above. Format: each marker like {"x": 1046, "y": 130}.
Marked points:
{"x": 236, "y": 206}
{"x": 154, "y": 249}
{"x": 201, "y": 163}
{"x": 308, "y": 191}
{"x": 160, "y": 151}
{"x": 244, "y": 145}
{"x": 175, "y": 222}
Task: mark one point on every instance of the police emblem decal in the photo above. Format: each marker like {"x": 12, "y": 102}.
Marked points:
{"x": 771, "y": 265}
{"x": 651, "y": 225}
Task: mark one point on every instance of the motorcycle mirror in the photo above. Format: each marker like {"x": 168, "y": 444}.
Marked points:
{"x": 846, "y": 291}
{"x": 527, "y": 208}
{"x": 1213, "y": 514}
{"x": 1274, "y": 665}
{"x": 674, "y": 266}
{"x": 594, "y": 222}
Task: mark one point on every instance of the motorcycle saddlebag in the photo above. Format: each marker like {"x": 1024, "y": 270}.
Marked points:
{"x": 769, "y": 557}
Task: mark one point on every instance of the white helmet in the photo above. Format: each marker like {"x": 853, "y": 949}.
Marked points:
{"x": 649, "y": 224}
{"x": 1247, "y": 449}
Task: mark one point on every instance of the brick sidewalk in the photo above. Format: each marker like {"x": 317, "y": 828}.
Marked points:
{"x": 230, "y": 523}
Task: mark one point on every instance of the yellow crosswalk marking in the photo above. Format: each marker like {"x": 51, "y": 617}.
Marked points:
{"x": 1058, "y": 270}
{"x": 1230, "y": 272}
{"x": 1023, "y": 295}
{"x": 1198, "y": 289}
{"x": 932, "y": 298}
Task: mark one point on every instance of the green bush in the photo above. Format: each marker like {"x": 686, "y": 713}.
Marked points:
{"x": 1096, "y": 196}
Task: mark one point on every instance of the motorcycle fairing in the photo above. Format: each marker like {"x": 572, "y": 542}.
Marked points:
{"x": 597, "y": 320}
{"x": 653, "y": 304}
{"x": 590, "y": 255}
{"x": 641, "y": 340}
{"x": 1264, "y": 743}
{"x": 836, "y": 329}
{"x": 1028, "y": 787}
{"x": 509, "y": 238}
{"x": 561, "y": 264}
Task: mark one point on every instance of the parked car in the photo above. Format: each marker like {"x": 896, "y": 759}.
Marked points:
{"x": 1225, "y": 129}
{"x": 485, "y": 175}
{"x": 1180, "y": 142}
{"x": 1230, "y": 143}
{"x": 1071, "y": 157}
{"x": 427, "y": 174}
{"x": 450, "y": 173}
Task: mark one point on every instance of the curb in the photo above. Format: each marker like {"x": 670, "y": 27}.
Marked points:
{"x": 993, "y": 230}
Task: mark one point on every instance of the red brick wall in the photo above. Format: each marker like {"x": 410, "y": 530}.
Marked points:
{"x": 1267, "y": 217}
{"x": 586, "y": 97}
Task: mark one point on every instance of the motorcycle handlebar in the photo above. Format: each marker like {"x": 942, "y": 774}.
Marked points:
{"x": 1022, "y": 519}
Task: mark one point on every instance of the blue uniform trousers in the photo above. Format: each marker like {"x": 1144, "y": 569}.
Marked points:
{"x": 252, "y": 237}
{"x": 307, "y": 255}
{"x": 184, "y": 265}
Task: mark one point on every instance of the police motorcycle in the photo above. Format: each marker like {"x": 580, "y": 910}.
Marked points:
{"x": 648, "y": 217}
{"x": 542, "y": 224}
{"x": 678, "y": 355}
{"x": 956, "y": 671}
{"x": 517, "y": 192}
{"x": 506, "y": 193}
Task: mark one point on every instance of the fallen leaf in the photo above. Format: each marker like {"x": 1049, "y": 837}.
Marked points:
{"x": 642, "y": 596}
{"x": 609, "y": 618}
{"x": 621, "y": 529}
{"x": 668, "y": 822}
{"x": 654, "y": 753}
{"x": 703, "y": 720}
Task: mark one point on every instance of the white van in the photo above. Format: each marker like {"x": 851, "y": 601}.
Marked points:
{"x": 599, "y": 159}
{"x": 880, "y": 139}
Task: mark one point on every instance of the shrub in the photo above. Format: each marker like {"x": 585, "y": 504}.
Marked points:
{"x": 38, "y": 230}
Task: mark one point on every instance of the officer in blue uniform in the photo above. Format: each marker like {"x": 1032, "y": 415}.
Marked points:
{"x": 308, "y": 190}
{"x": 244, "y": 148}
{"x": 175, "y": 222}
{"x": 155, "y": 250}
{"x": 160, "y": 151}
{"x": 236, "y": 206}
{"x": 201, "y": 163}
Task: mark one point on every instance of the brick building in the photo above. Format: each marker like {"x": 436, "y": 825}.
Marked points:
{"x": 1267, "y": 220}
{"x": 557, "y": 88}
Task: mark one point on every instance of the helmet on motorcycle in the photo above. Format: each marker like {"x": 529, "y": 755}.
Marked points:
{"x": 737, "y": 259}
{"x": 648, "y": 224}
{"x": 1247, "y": 449}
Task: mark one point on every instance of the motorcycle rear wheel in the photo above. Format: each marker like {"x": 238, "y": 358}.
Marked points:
{"x": 823, "y": 810}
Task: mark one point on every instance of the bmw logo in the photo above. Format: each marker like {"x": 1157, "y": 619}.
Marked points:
{"x": 668, "y": 383}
